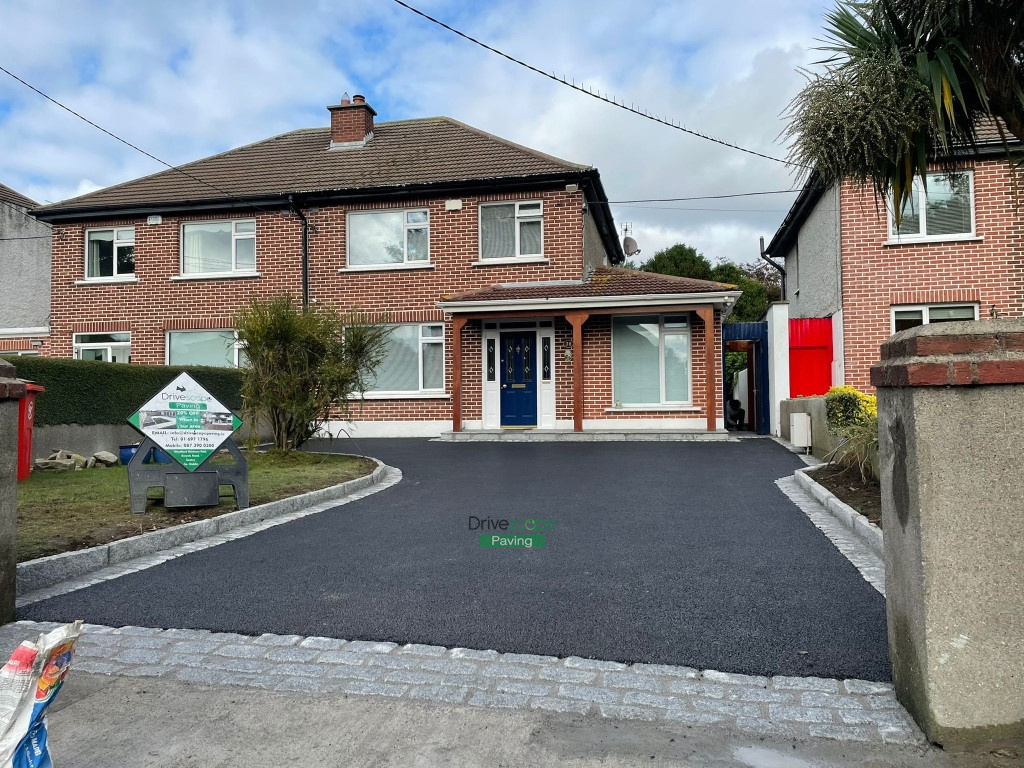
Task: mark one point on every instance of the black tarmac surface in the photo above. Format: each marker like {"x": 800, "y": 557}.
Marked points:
{"x": 676, "y": 553}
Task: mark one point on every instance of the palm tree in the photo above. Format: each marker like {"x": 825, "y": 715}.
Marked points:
{"x": 906, "y": 85}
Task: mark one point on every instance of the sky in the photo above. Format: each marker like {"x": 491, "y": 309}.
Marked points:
{"x": 184, "y": 80}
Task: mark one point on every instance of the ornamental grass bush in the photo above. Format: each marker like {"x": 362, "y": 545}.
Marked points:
{"x": 853, "y": 418}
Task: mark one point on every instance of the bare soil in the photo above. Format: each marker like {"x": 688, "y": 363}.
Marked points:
{"x": 847, "y": 485}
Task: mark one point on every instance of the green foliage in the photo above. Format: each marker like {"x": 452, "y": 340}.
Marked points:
{"x": 302, "y": 363}
{"x": 680, "y": 260}
{"x": 908, "y": 80}
{"x": 758, "y": 286}
{"x": 853, "y": 416}
{"x": 90, "y": 392}
{"x": 734, "y": 363}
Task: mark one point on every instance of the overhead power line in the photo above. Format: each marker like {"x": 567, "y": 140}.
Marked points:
{"x": 127, "y": 143}
{"x": 702, "y": 197}
{"x": 27, "y": 237}
{"x": 596, "y": 94}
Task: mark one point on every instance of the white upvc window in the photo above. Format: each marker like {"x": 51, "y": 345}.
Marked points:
{"x": 943, "y": 211}
{"x": 912, "y": 315}
{"x": 113, "y": 347}
{"x": 220, "y": 349}
{"x": 512, "y": 230}
{"x": 413, "y": 362}
{"x": 651, "y": 360}
{"x": 110, "y": 253}
{"x": 388, "y": 238}
{"x": 221, "y": 247}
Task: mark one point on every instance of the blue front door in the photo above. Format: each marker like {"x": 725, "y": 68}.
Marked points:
{"x": 518, "y": 376}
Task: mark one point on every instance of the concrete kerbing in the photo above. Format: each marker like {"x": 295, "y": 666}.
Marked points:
{"x": 867, "y": 532}
{"x": 48, "y": 571}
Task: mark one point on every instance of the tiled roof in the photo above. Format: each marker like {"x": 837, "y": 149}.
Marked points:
{"x": 604, "y": 281}
{"x": 402, "y": 153}
{"x": 8, "y": 195}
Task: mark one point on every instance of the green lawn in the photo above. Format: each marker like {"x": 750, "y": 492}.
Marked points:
{"x": 73, "y": 510}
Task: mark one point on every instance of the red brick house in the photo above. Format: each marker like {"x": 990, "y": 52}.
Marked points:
{"x": 957, "y": 255}
{"x": 494, "y": 264}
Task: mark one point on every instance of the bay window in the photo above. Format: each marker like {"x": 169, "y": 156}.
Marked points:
{"x": 651, "y": 360}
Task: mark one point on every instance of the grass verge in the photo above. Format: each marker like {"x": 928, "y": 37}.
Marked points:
{"x": 74, "y": 510}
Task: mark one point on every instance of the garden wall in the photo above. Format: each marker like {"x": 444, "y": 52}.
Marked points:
{"x": 823, "y": 442}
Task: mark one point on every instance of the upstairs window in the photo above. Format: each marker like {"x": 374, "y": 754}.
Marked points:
{"x": 110, "y": 253}
{"x": 945, "y": 211}
{"x": 388, "y": 238}
{"x": 511, "y": 230}
{"x": 218, "y": 247}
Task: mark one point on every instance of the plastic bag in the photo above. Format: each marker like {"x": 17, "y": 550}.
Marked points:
{"x": 29, "y": 682}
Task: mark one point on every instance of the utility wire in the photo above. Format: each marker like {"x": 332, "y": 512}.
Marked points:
{"x": 126, "y": 142}
{"x": 29, "y": 237}
{"x": 597, "y": 95}
{"x": 701, "y": 197}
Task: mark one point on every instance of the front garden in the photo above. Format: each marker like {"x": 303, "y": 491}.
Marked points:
{"x": 852, "y": 471}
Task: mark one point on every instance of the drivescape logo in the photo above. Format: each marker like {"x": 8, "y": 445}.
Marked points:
{"x": 502, "y": 533}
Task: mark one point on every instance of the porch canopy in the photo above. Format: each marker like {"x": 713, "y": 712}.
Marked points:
{"x": 601, "y": 291}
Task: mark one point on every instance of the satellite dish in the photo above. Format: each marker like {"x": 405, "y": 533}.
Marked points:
{"x": 629, "y": 246}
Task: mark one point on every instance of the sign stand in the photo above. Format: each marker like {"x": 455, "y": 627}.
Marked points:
{"x": 183, "y": 488}
{"x": 190, "y": 426}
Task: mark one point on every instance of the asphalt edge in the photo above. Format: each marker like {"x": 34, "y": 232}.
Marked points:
{"x": 869, "y": 534}
{"x": 44, "y": 572}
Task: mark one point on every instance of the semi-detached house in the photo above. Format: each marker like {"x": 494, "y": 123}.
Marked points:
{"x": 494, "y": 264}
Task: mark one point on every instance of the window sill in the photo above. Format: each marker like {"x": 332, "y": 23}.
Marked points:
{"x": 106, "y": 280}
{"x": 402, "y": 396}
{"x": 927, "y": 240}
{"x": 386, "y": 267}
{"x": 215, "y": 276}
{"x": 635, "y": 408}
{"x": 506, "y": 262}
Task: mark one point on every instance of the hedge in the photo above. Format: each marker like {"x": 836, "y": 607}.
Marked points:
{"x": 93, "y": 392}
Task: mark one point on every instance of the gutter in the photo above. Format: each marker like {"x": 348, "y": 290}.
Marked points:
{"x": 305, "y": 250}
{"x": 582, "y": 302}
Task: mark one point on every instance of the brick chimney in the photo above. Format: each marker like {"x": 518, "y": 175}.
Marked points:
{"x": 351, "y": 122}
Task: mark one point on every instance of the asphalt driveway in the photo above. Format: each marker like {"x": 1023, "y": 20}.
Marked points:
{"x": 677, "y": 553}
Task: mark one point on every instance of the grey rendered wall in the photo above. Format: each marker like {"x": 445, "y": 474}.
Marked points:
{"x": 812, "y": 264}
{"x": 25, "y": 266}
{"x": 594, "y": 254}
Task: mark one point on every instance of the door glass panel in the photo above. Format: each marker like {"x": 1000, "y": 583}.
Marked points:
{"x": 545, "y": 370}
{"x": 490, "y": 360}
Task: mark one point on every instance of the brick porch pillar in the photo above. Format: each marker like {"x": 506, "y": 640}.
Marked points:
{"x": 11, "y": 391}
{"x": 951, "y": 449}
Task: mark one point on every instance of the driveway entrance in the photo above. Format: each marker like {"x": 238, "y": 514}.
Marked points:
{"x": 677, "y": 553}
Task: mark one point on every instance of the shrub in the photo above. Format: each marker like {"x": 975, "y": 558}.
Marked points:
{"x": 302, "y": 364}
{"x": 853, "y": 416}
{"x": 91, "y": 392}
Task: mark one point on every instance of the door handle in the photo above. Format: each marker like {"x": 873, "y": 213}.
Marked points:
{"x": 504, "y": 386}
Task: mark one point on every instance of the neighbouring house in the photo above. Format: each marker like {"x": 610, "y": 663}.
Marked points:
{"x": 494, "y": 264}
{"x": 25, "y": 267}
{"x": 854, "y": 278}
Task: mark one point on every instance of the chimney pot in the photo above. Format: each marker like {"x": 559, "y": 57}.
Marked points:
{"x": 359, "y": 99}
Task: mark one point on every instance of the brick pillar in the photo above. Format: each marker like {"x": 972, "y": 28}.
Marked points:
{"x": 951, "y": 449}
{"x": 11, "y": 391}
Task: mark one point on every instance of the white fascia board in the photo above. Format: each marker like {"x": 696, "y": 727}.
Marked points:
{"x": 584, "y": 302}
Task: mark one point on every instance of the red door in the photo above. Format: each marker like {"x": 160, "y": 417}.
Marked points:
{"x": 810, "y": 356}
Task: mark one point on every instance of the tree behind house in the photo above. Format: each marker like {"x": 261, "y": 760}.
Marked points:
{"x": 302, "y": 364}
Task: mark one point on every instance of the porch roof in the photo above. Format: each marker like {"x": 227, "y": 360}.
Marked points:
{"x": 601, "y": 287}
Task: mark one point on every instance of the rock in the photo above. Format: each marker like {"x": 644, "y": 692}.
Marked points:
{"x": 55, "y": 465}
{"x": 90, "y": 462}
{"x": 60, "y": 455}
{"x": 79, "y": 459}
{"x": 106, "y": 458}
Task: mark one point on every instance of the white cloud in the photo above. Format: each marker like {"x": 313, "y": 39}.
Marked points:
{"x": 184, "y": 80}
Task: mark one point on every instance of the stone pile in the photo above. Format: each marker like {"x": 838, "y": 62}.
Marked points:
{"x": 66, "y": 461}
